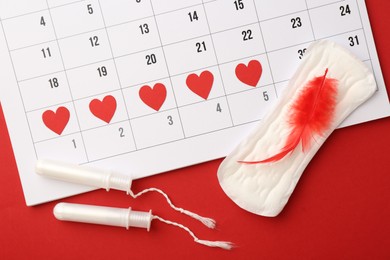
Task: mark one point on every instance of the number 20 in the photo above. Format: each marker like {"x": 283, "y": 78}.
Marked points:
{"x": 151, "y": 59}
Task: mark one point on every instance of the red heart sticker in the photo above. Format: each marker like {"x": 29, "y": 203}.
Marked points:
{"x": 104, "y": 109}
{"x": 153, "y": 97}
{"x": 56, "y": 121}
{"x": 250, "y": 74}
{"x": 202, "y": 84}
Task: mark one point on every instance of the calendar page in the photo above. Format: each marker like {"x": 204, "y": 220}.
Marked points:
{"x": 147, "y": 86}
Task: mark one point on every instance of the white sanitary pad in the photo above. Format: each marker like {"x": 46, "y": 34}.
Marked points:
{"x": 264, "y": 188}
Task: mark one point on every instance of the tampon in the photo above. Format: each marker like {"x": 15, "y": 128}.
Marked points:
{"x": 102, "y": 215}
{"x": 120, "y": 217}
{"x": 105, "y": 179}
{"x": 83, "y": 175}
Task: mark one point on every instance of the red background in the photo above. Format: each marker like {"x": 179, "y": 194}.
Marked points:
{"x": 339, "y": 210}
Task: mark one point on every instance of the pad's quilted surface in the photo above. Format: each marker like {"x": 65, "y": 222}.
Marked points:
{"x": 265, "y": 188}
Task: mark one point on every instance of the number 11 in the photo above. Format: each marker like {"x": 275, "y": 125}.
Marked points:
{"x": 46, "y": 52}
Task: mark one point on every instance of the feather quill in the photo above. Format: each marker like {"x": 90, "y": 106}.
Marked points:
{"x": 310, "y": 115}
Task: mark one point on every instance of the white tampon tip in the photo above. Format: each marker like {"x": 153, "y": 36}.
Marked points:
{"x": 83, "y": 175}
{"x": 102, "y": 215}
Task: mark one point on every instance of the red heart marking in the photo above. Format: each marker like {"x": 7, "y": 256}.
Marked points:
{"x": 153, "y": 97}
{"x": 202, "y": 84}
{"x": 56, "y": 121}
{"x": 104, "y": 109}
{"x": 250, "y": 74}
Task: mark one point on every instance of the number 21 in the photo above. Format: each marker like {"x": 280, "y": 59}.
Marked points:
{"x": 201, "y": 46}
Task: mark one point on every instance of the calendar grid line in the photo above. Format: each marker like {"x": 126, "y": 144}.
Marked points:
{"x": 153, "y": 16}
{"x": 218, "y": 64}
{"x": 293, "y": 13}
{"x": 284, "y": 15}
{"x": 178, "y": 9}
{"x": 143, "y": 18}
{"x": 62, "y": 5}
{"x": 265, "y": 47}
{"x": 106, "y": 27}
{"x": 186, "y": 72}
{"x": 332, "y": 3}
{"x": 79, "y": 1}
{"x": 117, "y": 74}
{"x": 169, "y": 142}
{"x": 41, "y": 10}
{"x": 168, "y": 71}
{"x": 67, "y": 80}
{"x": 131, "y": 53}
{"x": 164, "y": 45}
{"x": 57, "y": 137}
{"x": 129, "y": 21}
{"x": 311, "y": 23}
{"x": 24, "y": 14}
{"x": 156, "y": 80}
{"x": 365, "y": 37}
{"x": 19, "y": 92}
{"x": 159, "y": 144}
{"x": 172, "y": 43}
{"x": 105, "y": 125}
{"x": 154, "y": 112}
{"x": 58, "y": 39}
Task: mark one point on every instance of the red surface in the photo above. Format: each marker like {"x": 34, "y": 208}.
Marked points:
{"x": 339, "y": 210}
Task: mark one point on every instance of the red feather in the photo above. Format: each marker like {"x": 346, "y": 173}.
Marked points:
{"x": 311, "y": 114}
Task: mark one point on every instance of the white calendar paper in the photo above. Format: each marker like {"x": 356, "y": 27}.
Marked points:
{"x": 147, "y": 86}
